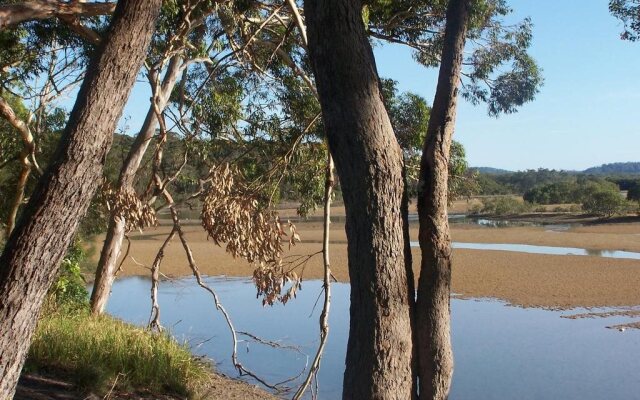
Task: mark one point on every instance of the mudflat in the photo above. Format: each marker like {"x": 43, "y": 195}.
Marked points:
{"x": 532, "y": 280}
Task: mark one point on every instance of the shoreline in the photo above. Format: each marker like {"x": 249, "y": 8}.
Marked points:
{"x": 531, "y": 280}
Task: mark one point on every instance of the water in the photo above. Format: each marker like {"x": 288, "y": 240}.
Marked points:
{"x": 552, "y": 250}
{"x": 501, "y": 352}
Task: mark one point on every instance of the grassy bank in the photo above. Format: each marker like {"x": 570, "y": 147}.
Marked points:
{"x": 98, "y": 353}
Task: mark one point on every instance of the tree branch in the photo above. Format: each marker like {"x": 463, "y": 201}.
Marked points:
{"x": 13, "y": 14}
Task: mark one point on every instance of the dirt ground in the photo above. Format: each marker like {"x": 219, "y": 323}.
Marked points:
{"x": 38, "y": 387}
{"x": 521, "y": 279}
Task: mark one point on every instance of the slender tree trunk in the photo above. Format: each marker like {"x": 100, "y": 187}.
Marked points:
{"x": 435, "y": 358}
{"x": 7, "y": 113}
{"x": 112, "y": 247}
{"x": 19, "y": 195}
{"x": 369, "y": 162}
{"x": 34, "y": 250}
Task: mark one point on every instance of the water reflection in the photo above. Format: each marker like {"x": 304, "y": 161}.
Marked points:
{"x": 501, "y": 352}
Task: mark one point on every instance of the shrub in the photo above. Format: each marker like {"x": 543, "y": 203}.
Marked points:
{"x": 504, "y": 206}
{"x": 69, "y": 292}
{"x": 605, "y": 203}
{"x": 475, "y": 209}
{"x": 575, "y": 208}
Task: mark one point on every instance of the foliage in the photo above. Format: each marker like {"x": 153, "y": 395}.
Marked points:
{"x": 69, "y": 293}
{"x": 628, "y": 11}
{"x": 97, "y": 352}
{"x": 232, "y": 215}
{"x": 409, "y": 114}
{"x": 127, "y": 205}
{"x": 619, "y": 168}
{"x": 504, "y": 205}
{"x": 521, "y": 181}
{"x": 634, "y": 192}
{"x": 488, "y": 185}
{"x": 579, "y": 189}
{"x": 605, "y": 203}
{"x": 553, "y": 193}
{"x": 499, "y": 70}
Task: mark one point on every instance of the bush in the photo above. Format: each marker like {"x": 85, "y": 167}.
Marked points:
{"x": 575, "y": 208}
{"x": 605, "y": 203}
{"x": 69, "y": 292}
{"x": 504, "y": 206}
{"x": 475, "y": 209}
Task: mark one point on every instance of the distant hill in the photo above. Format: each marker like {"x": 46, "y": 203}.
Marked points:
{"x": 492, "y": 171}
{"x": 615, "y": 168}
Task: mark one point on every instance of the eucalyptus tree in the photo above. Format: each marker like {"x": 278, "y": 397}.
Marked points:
{"x": 368, "y": 159}
{"x": 39, "y": 63}
{"x": 435, "y": 357}
{"x": 207, "y": 80}
{"x": 33, "y": 252}
{"x": 188, "y": 34}
{"x": 347, "y": 81}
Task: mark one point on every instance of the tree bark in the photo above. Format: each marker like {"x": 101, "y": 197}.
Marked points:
{"x": 112, "y": 247}
{"x": 13, "y": 14}
{"x": 34, "y": 250}
{"x": 435, "y": 357}
{"x": 369, "y": 162}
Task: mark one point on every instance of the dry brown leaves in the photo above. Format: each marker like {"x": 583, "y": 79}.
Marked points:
{"x": 233, "y": 216}
{"x": 125, "y": 204}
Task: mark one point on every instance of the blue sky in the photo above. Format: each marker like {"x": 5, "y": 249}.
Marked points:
{"x": 588, "y": 111}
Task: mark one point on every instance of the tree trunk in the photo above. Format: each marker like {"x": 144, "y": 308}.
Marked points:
{"x": 435, "y": 358}
{"x": 369, "y": 162}
{"x": 112, "y": 247}
{"x": 29, "y": 150}
{"x": 34, "y": 250}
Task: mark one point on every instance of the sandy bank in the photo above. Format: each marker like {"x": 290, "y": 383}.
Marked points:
{"x": 518, "y": 278}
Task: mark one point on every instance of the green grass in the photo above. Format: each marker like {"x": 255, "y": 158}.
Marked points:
{"x": 95, "y": 352}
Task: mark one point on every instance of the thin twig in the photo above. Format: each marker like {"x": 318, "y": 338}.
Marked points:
{"x": 324, "y": 316}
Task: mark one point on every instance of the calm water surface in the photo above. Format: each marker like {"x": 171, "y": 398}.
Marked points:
{"x": 501, "y": 352}
{"x": 553, "y": 250}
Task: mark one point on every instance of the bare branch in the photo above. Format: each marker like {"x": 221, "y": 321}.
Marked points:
{"x": 324, "y": 316}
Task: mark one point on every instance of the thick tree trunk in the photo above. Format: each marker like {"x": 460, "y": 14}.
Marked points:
{"x": 34, "y": 250}
{"x": 435, "y": 358}
{"x": 369, "y": 162}
{"x": 112, "y": 247}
